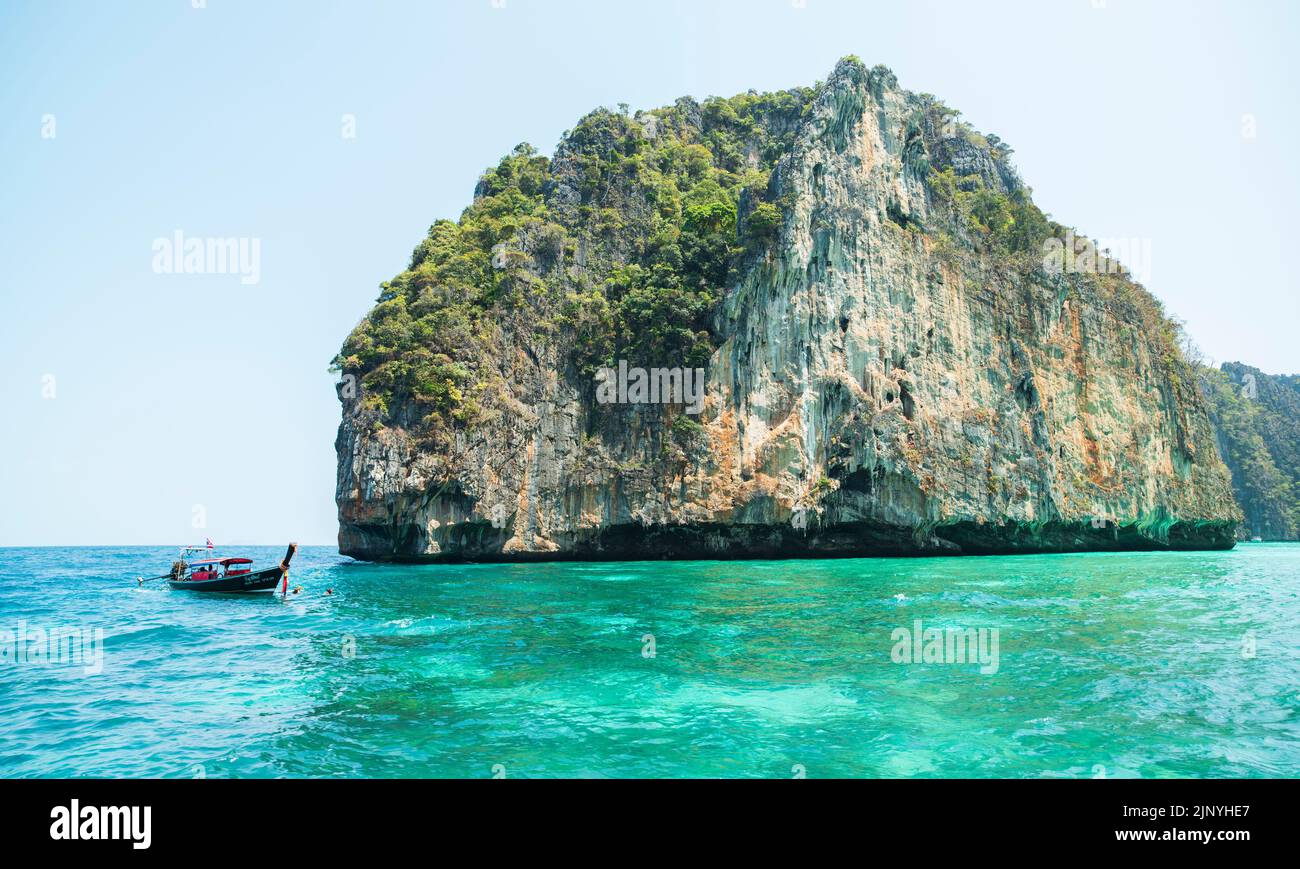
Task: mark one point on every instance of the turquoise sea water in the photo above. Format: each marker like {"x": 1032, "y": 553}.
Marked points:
{"x": 1118, "y": 664}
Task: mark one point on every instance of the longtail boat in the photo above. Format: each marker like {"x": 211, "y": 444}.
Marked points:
{"x": 226, "y": 574}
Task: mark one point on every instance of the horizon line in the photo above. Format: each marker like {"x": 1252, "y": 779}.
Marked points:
{"x": 127, "y": 545}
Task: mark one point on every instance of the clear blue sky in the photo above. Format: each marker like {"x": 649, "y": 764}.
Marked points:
{"x": 226, "y": 121}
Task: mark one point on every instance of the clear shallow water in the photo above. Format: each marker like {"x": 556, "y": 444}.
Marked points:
{"x": 1131, "y": 664}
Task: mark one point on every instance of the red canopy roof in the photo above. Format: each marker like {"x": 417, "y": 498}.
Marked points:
{"x": 221, "y": 561}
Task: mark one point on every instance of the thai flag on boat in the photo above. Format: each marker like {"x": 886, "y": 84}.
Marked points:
{"x": 209, "y": 539}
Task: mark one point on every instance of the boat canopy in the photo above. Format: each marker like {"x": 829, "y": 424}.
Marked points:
{"x": 222, "y": 561}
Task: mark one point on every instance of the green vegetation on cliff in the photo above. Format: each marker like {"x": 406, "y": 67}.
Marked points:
{"x": 619, "y": 247}
{"x": 1257, "y": 422}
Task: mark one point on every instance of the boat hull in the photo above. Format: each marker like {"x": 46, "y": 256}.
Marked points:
{"x": 258, "y": 580}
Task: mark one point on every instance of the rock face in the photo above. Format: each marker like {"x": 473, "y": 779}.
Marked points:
{"x": 884, "y": 379}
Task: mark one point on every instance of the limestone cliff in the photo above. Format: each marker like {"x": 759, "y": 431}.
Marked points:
{"x": 892, "y": 365}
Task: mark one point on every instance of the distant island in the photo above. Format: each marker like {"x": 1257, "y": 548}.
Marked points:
{"x": 1256, "y": 419}
{"x": 826, "y": 321}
